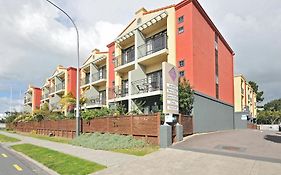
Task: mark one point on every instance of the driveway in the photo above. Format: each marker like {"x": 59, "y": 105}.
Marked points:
{"x": 249, "y": 144}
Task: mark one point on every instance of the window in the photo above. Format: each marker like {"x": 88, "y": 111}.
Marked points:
{"x": 216, "y": 41}
{"x": 217, "y": 62}
{"x": 181, "y": 73}
{"x": 217, "y": 91}
{"x": 181, "y": 19}
{"x": 181, "y": 63}
{"x": 180, "y": 30}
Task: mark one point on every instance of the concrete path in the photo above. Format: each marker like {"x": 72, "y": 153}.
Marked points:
{"x": 172, "y": 161}
{"x": 106, "y": 158}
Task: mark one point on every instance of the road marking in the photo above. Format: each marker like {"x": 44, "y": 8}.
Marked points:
{"x": 4, "y": 155}
{"x": 17, "y": 167}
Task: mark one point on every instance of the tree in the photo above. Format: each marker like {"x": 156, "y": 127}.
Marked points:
{"x": 256, "y": 90}
{"x": 186, "y": 97}
{"x": 274, "y": 105}
{"x": 269, "y": 117}
{"x": 68, "y": 102}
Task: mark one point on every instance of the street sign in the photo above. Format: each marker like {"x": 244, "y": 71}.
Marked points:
{"x": 170, "y": 88}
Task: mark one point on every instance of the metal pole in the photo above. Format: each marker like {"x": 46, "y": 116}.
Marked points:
{"x": 78, "y": 129}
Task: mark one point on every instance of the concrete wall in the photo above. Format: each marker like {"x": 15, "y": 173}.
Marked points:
{"x": 239, "y": 123}
{"x": 2, "y": 125}
{"x": 211, "y": 115}
{"x": 269, "y": 127}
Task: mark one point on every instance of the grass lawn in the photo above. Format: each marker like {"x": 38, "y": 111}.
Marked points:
{"x": 4, "y": 138}
{"x": 59, "y": 162}
{"x": 138, "y": 151}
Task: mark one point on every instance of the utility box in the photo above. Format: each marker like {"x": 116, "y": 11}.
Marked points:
{"x": 165, "y": 136}
{"x": 179, "y": 132}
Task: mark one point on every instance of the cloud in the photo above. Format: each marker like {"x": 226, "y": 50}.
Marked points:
{"x": 13, "y": 105}
{"x": 36, "y": 37}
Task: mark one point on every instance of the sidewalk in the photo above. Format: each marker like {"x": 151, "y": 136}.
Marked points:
{"x": 171, "y": 161}
{"x": 106, "y": 158}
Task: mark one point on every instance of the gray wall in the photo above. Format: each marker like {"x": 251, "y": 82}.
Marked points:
{"x": 240, "y": 124}
{"x": 211, "y": 115}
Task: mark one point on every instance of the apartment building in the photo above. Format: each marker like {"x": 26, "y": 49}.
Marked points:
{"x": 32, "y": 99}
{"x": 245, "y": 97}
{"x": 62, "y": 82}
{"x": 94, "y": 80}
{"x": 184, "y": 36}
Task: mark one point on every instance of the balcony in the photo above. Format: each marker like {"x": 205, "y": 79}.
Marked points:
{"x": 124, "y": 60}
{"x": 242, "y": 91}
{"x": 147, "y": 85}
{"x": 118, "y": 92}
{"x": 56, "y": 107}
{"x": 85, "y": 81}
{"x": 27, "y": 100}
{"x": 96, "y": 101}
{"x": 44, "y": 96}
{"x": 152, "y": 46}
{"x": 52, "y": 89}
{"x": 99, "y": 76}
{"x": 60, "y": 86}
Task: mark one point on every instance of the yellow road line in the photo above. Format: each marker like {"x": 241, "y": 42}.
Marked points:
{"x": 4, "y": 155}
{"x": 17, "y": 167}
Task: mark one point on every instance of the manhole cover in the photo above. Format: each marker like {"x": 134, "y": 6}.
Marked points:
{"x": 230, "y": 148}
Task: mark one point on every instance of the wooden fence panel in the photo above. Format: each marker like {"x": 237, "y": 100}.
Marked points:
{"x": 141, "y": 127}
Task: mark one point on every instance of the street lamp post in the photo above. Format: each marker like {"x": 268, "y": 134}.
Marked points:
{"x": 78, "y": 70}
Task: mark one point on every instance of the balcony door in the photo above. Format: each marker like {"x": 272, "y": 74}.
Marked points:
{"x": 102, "y": 97}
{"x": 128, "y": 55}
{"x": 102, "y": 72}
{"x": 124, "y": 88}
{"x": 154, "y": 81}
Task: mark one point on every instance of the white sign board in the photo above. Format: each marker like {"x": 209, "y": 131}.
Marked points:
{"x": 244, "y": 117}
{"x": 170, "y": 89}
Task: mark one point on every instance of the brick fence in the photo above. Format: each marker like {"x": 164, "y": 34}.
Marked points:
{"x": 251, "y": 126}
{"x": 140, "y": 126}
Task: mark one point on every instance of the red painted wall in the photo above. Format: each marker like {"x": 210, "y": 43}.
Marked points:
{"x": 184, "y": 49}
{"x": 226, "y": 74}
{"x": 71, "y": 82}
{"x": 36, "y": 98}
{"x": 197, "y": 46}
{"x": 111, "y": 76}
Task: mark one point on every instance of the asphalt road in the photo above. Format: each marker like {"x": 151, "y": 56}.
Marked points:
{"x": 12, "y": 164}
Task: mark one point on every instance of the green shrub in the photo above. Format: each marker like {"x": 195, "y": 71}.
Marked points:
{"x": 90, "y": 114}
{"x": 107, "y": 141}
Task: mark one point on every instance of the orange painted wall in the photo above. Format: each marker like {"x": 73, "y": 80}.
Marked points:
{"x": 203, "y": 54}
{"x": 71, "y": 82}
{"x": 226, "y": 74}
{"x": 197, "y": 46}
{"x": 111, "y": 77}
{"x": 184, "y": 49}
{"x": 36, "y": 98}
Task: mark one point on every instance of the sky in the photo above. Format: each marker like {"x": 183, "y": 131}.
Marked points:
{"x": 35, "y": 38}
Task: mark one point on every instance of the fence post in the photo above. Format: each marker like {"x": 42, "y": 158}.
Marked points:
{"x": 107, "y": 124}
{"x": 180, "y": 119}
{"x": 131, "y": 129}
{"x": 158, "y": 119}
